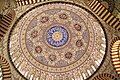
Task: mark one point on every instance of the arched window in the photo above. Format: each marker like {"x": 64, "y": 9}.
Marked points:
{"x": 115, "y": 55}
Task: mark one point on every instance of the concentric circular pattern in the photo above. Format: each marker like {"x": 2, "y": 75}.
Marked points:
{"x": 57, "y": 41}
{"x": 57, "y": 36}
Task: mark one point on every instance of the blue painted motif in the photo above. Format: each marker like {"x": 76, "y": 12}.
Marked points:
{"x": 61, "y": 42}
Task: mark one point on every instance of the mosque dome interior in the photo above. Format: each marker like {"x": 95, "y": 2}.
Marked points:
{"x": 59, "y": 39}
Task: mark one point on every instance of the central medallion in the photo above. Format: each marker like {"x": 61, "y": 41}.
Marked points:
{"x": 57, "y": 36}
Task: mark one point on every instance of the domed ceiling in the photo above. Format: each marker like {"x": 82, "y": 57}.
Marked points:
{"x": 57, "y": 41}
